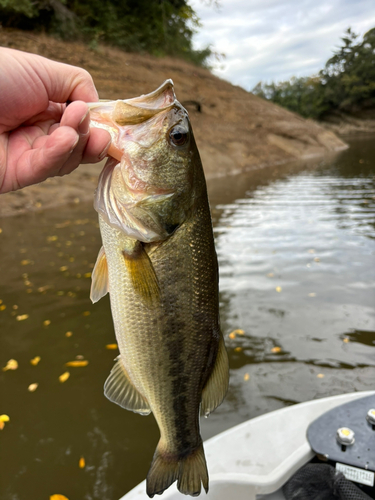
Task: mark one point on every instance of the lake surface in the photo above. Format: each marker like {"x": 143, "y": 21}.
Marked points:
{"x": 296, "y": 248}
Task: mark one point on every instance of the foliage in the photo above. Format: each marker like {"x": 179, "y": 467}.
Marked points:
{"x": 347, "y": 83}
{"x": 158, "y": 27}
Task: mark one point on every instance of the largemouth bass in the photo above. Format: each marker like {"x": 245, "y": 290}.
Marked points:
{"x": 159, "y": 265}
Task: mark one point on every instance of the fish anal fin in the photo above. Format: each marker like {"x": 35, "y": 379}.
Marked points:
{"x": 217, "y": 385}
{"x": 99, "y": 278}
{"x": 189, "y": 470}
{"x": 142, "y": 274}
{"x": 119, "y": 389}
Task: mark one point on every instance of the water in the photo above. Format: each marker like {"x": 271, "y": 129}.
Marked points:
{"x": 296, "y": 247}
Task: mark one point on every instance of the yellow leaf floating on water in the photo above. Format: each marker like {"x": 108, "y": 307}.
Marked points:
{"x": 32, "y": 387}
{"x": 111, "y": 346}
{"x": 278, "y": 289}
{"x": 3, "y": 418}
{"x": 63, "y": 268}
{"x": 232, "y": 335}
{"x": 46, "y": 322}
{"x": 87, "y": 275}
{"x": 52, "y": 238}
{"x": 22, "y": 317}
{"x": 35, "y": 360}
{"x": 3, "y": 307}
{"x": 270, "y": 275}
{"x": 11, "y": 365}
{"x": 81, "y": 463}
{"x": 77, "y": 363}
{"x": 312, "y": 294}
{"x": 346, "y": 340}
{"x": 68, "y": 334}
{"x": 238, "y": 349}
{"x": 320, "y": 375}
{"x": 246, "y": 377}
{"x": 64, "y": 377}
{"x": 238, "y": 332}
{"x": 86, "y": 313}
{"x": 276, "y": 349}
{"x": 58, "y": 497}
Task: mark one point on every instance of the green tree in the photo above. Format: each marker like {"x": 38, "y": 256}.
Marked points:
{"x": 155, "y": 26}
{"x": 347, "y": 82}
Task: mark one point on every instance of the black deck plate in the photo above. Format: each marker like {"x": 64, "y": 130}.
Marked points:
{"x": 321, "y": 434}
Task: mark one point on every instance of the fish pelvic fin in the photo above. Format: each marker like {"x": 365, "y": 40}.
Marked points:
{"x": 142, "y": 274}
{"x": 190, "y": 471}
{"x": 119, "y": 389}
{"x": 217, "y": 385}
{"x": 99, "y": 278}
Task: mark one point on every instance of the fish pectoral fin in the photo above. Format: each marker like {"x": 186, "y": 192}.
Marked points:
{"x": 119, "y": 389}
{"x": 217, "y": 385}
{"x": 99, "y": 278}
{"x": 142, "y": 274}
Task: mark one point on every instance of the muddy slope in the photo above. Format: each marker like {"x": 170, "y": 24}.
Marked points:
{"x": 234, "y": 129}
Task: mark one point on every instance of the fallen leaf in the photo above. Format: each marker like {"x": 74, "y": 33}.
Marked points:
{"x": 86, "y": 313}
{"x": 35, "y": 360}
{"x": 4, "y": 418}
{"x": 25, "y": 262}
{"x": 232, "y": 335}
{"x": 3, "y": 307}
{"x": 238, "y": 349}
{"x": 238, "y": 332}
{"x": 22, "y": 317}
{"x": 111, "y": 346}
{"x": 311, "y": 250}
{"x": 316, "y": 259}
{"x": 63, "y": 268}
{"x": 81, "y": 463}
{"x": 64, "y": 377}
{"x": 1, "y": 230}
{"x": 77, "y": 363}
{"x": 312, "y": 294}
{"x": 58, "y": 497}
{"x": 346, "y": 340}
{"x": 276, "y": 349}
{"x": 32, "y": 387}
{"x": 11, "y": 365}
{"x": 52, "y": 238}
{"x": 68, "y": 334}
{"x": 320, "y": 375}
{"x": 46, "y": 322}
{"x": 246, "y": 377}
{"x": 270, "y": 275}
{"x": 15, "y": 307}
{"x": 278, "y": 289}
{"x": 87, "y": 275}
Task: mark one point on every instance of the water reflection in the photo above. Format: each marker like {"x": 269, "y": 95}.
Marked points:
{"x": 296, "y": 251}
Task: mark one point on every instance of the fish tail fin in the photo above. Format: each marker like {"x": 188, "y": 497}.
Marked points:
{"x": 189, "y": 471}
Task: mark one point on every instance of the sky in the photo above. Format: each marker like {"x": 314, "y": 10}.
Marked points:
{"x": 273, "y": 40}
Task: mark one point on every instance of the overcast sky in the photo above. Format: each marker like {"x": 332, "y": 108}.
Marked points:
{"x": 276, "y": 39}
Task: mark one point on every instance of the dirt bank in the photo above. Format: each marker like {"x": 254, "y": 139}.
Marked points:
{"x": 234, "y": 129}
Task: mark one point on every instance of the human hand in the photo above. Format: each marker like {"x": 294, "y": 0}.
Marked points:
{"x": 39, "y": 136}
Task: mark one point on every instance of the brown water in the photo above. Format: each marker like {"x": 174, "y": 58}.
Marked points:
{"x": 296, "y": 247}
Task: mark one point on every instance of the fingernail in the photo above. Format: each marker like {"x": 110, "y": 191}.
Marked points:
{"x": 83, "y": 126}
{"x": 105, "y": 150}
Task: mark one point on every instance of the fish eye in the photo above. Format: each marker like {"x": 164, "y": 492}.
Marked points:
{"x": 179, "y": 136}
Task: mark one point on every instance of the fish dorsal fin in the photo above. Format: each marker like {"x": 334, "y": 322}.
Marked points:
{"x": 99, "y": 278}
{"x": 119, "y": 389}
{"x": 142, "y": 274}
{"x": 217, "y": 385}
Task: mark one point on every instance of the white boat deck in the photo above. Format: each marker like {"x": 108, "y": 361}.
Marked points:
{"x": 253, "y": 460}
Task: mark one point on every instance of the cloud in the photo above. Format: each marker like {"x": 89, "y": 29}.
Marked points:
{"x": 272, "y": 40}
